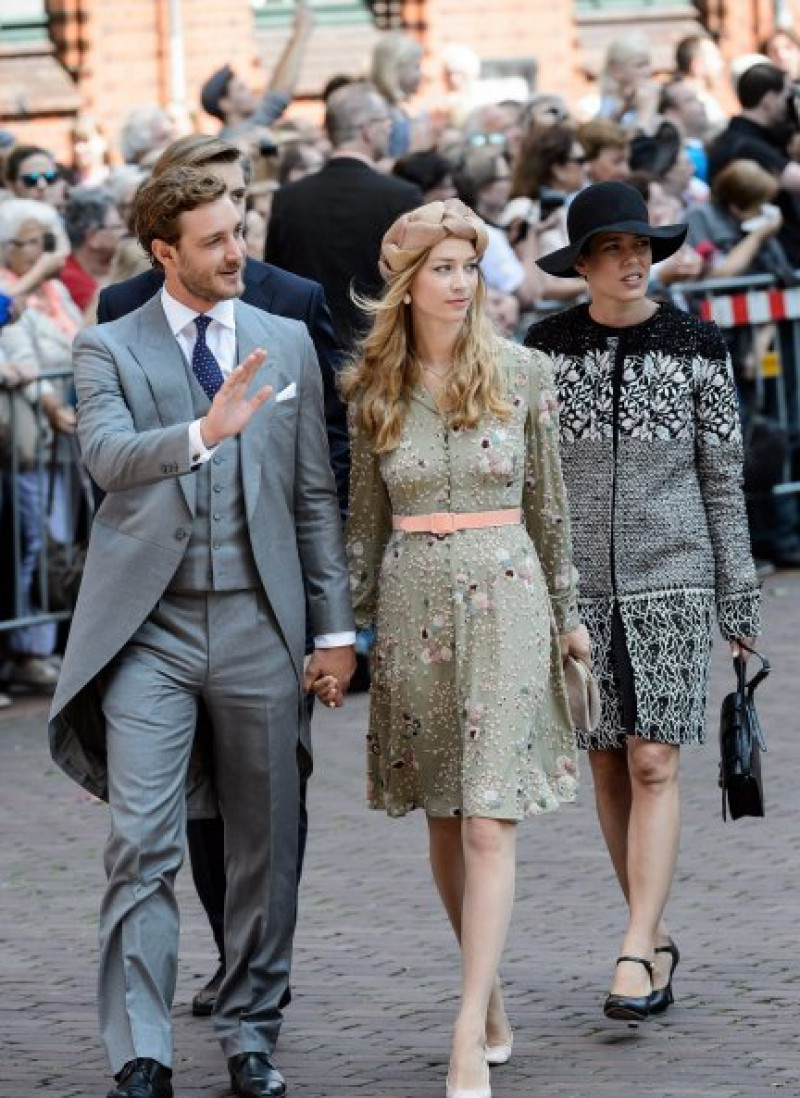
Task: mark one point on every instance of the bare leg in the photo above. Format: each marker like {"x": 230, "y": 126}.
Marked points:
{"x": 447, "y": 866}
{"x": 613, "y": 796}
{"x": 653, "y": 835}
{"x": 489, "y": 872}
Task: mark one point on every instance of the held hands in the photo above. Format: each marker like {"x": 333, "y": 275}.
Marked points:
{"x": 232, "y": 409}
{"x": 576, "y": 643}
{"x": 329, "y": 672}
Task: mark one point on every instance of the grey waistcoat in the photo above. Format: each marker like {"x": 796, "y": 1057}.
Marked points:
{"x": 219, "y": 557}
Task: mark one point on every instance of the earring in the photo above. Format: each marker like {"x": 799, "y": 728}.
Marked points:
{"x": 407, "y": 299}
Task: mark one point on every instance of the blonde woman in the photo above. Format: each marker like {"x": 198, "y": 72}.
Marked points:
{"x": 626, "y": 93}
{"x": 460, "y": 554}
{"x": 396, "y": 73}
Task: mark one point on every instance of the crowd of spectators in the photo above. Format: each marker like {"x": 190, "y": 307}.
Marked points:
{"x": 320, "y": 197}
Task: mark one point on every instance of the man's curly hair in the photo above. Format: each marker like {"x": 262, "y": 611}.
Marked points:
{"x": 163, "y": 198}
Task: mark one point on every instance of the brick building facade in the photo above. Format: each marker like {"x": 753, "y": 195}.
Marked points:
{"x": 106, "y": 56}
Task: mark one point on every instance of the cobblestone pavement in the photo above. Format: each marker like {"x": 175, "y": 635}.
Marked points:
{"x": 375, "y": 969}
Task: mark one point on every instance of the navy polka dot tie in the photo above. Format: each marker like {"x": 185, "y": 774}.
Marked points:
{"x": 205, "y": 366}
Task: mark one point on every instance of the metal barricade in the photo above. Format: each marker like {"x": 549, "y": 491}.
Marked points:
{"x": 751, "y": 302}
{"x": 41, "y": 474}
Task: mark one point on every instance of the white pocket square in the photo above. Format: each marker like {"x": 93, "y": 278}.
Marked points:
{"x": 288, "y": 393}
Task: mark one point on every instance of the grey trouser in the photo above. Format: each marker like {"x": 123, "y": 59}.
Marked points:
{"x": 226, "y": 649}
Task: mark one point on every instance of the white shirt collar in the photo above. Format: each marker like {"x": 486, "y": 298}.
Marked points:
{"x": 180, "y": 316}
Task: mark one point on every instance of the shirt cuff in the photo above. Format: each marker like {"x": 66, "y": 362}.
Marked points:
{"x": 334, "y": 640}
{"x": 199, "y": 453}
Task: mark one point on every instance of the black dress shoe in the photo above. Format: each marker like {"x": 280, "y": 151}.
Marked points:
{"x": 663, "y": 997}
{"x": 206, "y": 999}
{"x": 143, "y": 1078}
{"x": 253, "y": 1076}
{"x": 630, "y": 1008}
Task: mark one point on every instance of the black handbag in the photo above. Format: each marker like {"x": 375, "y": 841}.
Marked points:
{"x": 741, "y": 742}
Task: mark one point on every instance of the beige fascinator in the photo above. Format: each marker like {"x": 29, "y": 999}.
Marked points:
{"x": 422, "y": 229}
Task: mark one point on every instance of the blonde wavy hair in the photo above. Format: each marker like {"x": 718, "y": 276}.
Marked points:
{"x": 379, "y": 381}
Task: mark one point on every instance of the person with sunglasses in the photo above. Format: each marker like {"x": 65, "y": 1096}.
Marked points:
{"x": 31, "y": 172}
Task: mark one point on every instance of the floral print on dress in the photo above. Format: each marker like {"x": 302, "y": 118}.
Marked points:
{"x": 468, "y": 713}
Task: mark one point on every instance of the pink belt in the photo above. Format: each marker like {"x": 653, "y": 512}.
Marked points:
{"x": 447, "y": 522}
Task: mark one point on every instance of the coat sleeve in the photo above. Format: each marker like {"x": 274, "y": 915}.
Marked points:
{"x": 369, "y": 526}
{"x": 116, "y": 455}
{"x": 318, "y": 523}
{"x": 719, "y": 466}
{"x": 544, "y": 496}
{"x": 329, "y": 355}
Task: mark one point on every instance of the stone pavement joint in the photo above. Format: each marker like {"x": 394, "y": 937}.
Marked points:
{"x": 376, "y": 970}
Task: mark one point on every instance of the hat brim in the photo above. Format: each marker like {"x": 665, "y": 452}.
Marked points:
{"x": 665, "y": 241}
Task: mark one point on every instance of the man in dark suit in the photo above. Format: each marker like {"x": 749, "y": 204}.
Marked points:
{"x": 329, "y": 226}
{"x": 282, "y": 294}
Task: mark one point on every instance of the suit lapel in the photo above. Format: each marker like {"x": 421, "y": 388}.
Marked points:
{"x": 157, "y": 352}
{"x": 249, "y": 337}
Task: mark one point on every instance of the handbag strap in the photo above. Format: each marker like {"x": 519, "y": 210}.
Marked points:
{"x": 741, "y": 670}
{"x": 747, "y": 689}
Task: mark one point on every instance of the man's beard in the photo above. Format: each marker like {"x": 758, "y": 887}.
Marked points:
{"x": 211, "y": 288}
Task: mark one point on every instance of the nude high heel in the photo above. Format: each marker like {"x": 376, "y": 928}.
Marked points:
{"x": 483, "y": 1091}
{"x": 500, "y": 1054}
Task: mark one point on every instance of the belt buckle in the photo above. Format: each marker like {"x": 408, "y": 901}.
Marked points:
{"x": 443, "y": 523}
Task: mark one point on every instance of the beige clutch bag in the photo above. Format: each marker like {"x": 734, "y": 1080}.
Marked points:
{"x": 582, "y": 694}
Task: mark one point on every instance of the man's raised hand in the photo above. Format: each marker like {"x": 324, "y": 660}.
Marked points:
{"x": 232, "y": 409}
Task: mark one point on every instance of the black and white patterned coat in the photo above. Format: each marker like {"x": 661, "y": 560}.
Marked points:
{"x": 658, "y": 516}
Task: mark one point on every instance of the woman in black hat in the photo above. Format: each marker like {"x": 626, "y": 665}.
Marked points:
{"x": 652, "y": 458}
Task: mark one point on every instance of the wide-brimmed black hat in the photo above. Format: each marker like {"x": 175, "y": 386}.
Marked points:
{"x": 609, "y": 208}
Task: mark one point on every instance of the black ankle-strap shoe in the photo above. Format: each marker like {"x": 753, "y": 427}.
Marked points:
{"x": 663, "y": 997}
{"x": 630, "y": 1008}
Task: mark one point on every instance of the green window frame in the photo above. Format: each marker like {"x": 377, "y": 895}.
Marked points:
{"x": 280, "y": 13}
{"x": 614, "y": 7}
{"x": 23, "y": 21}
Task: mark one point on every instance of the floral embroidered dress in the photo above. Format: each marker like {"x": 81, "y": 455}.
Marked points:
{"x": 652, "y": 453}
{"x": 468, "y": 711}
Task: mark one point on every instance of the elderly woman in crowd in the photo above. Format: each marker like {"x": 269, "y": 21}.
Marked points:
{"x": 652, "y": 451}
{"x": 38, "y": 342}
{"x": 94, "y": 228}
{"x": 459, "y": 541}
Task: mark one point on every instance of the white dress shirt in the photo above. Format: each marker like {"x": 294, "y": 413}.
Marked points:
{"x": 221, "y": 342}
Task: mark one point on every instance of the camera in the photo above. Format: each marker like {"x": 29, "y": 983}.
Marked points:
{"x": 793, "y": 106}
{"x": 550, "y": 200}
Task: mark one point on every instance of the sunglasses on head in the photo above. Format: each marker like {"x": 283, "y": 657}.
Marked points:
{"x": 31, "y": 179}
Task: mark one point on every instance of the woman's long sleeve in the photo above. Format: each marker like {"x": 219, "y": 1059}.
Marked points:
{"x": 369, "y": 526}
{"x": 719, "y": 467}
{"x": 544, "y": 498}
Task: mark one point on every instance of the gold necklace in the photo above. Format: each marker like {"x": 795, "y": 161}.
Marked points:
{"x": 436, "y": 373}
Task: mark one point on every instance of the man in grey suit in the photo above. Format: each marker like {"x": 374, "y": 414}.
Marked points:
{"x": 220, "y": 521}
